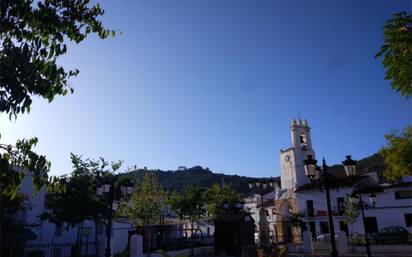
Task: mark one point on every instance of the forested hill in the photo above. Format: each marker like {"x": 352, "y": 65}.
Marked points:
{"x": 371, "y": 163}
{"x": 196, "y": 176}
{"x": 203, "y": 177}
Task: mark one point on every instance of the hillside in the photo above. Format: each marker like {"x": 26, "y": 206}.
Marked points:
{"x": 203, "y": 177}
{"x": 371, "y": 163}
{"x": 196, "y": 176}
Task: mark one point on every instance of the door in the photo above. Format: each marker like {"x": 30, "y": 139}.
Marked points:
{"x": 343, "y": 227}
{"x": 371, "y": 224}
{"x": 324, "y": 227}
{"x": 312, "y": 227}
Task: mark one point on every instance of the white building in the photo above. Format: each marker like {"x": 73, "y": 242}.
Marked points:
{"x": 45, "y": 231}
{"x": 252, "y": 206}
{"x": 57, "y": 241}
{"x": 292, "y": 173}
{"x": 297, "y": 195}
{"x": 393, "y": 208}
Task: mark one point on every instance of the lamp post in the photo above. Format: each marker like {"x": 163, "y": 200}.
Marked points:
{"x": 356, "y": 198}
{"x": 260, "y": 188}
{"x": 111, "y": 192}
{"x": 319, "y": 176}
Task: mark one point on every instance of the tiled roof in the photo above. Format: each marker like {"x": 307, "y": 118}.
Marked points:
{"x": 334, "y": 182}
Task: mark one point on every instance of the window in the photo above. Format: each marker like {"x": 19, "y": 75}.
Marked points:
{"x": 303, "y": 142}
{"x": 312, "y": 227}
{"x": 303, "y": 139}
{"x": 324, "y": 227}
{"x": 343, "y": 227}
{"x": 408, "y": 219}
{"x": 341, "y": 205}
{"x": 58, "y": 231}
{"x": 371, "y": 224}
{"x": 403, "y": 194}
{"x": 309, "y": 206}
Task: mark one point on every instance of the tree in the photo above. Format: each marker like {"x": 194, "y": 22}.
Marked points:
{"x": 32, "y": 37}
{"x": 397, "y": 154}
{"x": 217, "y": 195}
{"x": 146, "y": 203}
{"x": 298, "y": 220}
{"x": 11, "y": 226}
{"x": 79, "y": 202}
{"x": 15, "y": 161}
{"x": 351, "y": 212}
{"x": 189, "y": 205}
{"x": 397, "y": 52}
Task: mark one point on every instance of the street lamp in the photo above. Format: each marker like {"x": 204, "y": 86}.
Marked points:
{"x": 356, "y": 198}
{"x": 357, "y": 201}
{"x": 350, "y": 166}
{"x": 111, "y": 192}
{"x": 259, "y": 187}
{"x": 319, "y": 176}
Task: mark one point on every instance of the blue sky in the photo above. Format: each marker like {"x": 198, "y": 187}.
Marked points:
{"x": 216, "y": 84}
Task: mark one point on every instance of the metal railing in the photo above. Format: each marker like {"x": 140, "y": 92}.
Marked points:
{"x": 375, "y": 238}
{"x": 58, "y": 250}
{"x": 169, "y": 244}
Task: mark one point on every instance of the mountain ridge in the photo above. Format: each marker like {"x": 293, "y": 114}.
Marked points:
{"x": 177, "y": 180}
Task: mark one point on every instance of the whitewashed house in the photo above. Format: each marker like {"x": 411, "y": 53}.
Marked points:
{"x": 393, "y": 208}
{"x": 297, "y": 195}
{"x": 253, "y": 204}
{"x": 45, "y": 231}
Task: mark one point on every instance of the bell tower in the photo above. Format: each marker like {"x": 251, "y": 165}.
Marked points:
{"x": 300, "y": 133}
{"x": 292, "y": 171}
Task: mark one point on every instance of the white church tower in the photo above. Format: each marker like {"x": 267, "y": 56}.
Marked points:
{"x": 292, "y": 173}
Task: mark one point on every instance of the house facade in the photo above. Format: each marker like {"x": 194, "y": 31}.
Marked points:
{"x": 297, "y": 195}
{"x": 253, "y": 204}
{"x": 393, "y": 208}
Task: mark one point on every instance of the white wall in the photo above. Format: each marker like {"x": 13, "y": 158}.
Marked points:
{"x": 45, "y": 230}
{"x": 250, "y": 205}
{"x": 388, "y": 210}
{"x": 319, "y": 204}
{"x": 319, "y": 198}
{"x": 120, "y": 236}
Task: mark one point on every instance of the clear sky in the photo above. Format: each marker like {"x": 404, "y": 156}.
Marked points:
{"x": 217, "y": 83}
